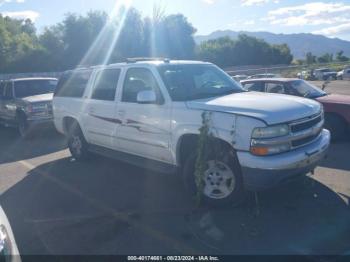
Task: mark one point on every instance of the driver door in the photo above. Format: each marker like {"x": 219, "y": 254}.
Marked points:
{"x": 145, "y": 128}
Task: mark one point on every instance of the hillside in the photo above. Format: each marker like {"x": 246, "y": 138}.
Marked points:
{"x": 299, "y": 44}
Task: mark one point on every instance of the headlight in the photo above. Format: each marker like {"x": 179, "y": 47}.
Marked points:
{"x": 263, "y": 144}
{"x": 264, "y": 150}
{"x": 270, "y": 131}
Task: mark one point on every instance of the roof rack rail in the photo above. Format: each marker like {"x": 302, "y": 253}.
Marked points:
{"x": 145, "y": 59}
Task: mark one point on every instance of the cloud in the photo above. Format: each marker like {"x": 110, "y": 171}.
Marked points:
{"x": 257, "y": 2}
{"x": 334, "y": 30}
{"x": 249, "y": 22}
{"x": 9, "y": 1}
{"x": 314, "y": 13}
{"x": 209, "y": 2}
{"x": 28, "y": 14}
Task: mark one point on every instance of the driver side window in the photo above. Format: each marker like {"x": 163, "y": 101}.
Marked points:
{"x": 137, "y": 80}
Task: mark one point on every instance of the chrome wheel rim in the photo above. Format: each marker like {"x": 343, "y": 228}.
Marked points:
{"x": 219, "y": 180}
{"x": 76, "y": 145}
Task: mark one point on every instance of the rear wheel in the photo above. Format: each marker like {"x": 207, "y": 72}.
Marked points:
{"x": 222, "y": 179}
{"x": 77, "y": 144}
{"x": 336, "y": 125}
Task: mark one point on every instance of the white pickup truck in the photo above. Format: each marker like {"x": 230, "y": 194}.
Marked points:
{"x": 149, "y": 113}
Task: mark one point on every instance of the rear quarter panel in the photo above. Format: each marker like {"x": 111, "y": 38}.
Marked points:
{"x": 67, "y": 107}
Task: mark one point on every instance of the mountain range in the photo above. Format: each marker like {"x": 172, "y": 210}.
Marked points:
{"x": 299, "y": 44}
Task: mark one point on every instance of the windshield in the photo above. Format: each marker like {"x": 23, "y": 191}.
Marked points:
{"x": 190, "y": 82}
{"x": 28, "y": 88}
{"x": 303, "y": 88}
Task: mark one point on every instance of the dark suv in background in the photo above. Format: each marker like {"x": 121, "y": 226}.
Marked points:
{"x": 26, "y": 103}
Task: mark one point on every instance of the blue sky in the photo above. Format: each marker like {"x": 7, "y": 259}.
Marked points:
{"x": 330, "y": 18}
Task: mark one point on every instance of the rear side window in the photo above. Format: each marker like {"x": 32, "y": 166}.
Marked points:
{"x": 73, "y": 84}
{"x": 105, "y": 85}
{"x": 256, "y": 86}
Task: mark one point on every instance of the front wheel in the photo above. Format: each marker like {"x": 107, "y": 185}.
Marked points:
{"x": 24, "y": 127}
{"x": 222, "y": 179}
{"x": 77, "y": 144}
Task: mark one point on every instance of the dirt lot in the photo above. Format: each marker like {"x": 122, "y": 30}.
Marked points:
{"x": 336, "y": 87}
{"x": 59, "y": 206}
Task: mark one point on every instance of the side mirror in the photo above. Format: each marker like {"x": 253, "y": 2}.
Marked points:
{"x": 147, "y": 97}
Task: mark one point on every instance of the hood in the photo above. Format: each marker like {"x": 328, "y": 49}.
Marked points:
{"x": 335, "y": 99}
{"x": 271, "y": 108}
{"x": 38, "y": 98}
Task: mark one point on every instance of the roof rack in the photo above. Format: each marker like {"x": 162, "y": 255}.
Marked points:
{"x": 145, "y": 59}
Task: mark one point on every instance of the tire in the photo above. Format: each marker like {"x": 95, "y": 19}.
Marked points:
{"x": 77, "y": 144}
{"x": 230, "y": 190}
{"x": 24, "y": 127}
{"x": 336, "y": 125}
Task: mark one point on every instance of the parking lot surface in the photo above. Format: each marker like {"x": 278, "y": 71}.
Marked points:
{"x": 59, "y": 206}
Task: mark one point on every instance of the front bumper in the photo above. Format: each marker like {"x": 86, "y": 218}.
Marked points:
{"x": 36, "y": 122}
{"x": 261, "y": 173}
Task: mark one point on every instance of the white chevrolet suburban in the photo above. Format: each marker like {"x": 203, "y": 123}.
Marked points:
{"x": 149, "y": 113}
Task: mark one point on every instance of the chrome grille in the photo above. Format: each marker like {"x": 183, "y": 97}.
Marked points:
{"x": 306, "y": 131}
{"x": 305, "y": 125}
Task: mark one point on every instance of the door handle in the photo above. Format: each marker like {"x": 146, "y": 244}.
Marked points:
{"x": 91, "y": 110}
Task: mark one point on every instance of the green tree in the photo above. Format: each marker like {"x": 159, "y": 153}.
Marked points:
{"x": 245, "y": 50}
{"x": 310, "y": 58}
{"x": 340, "y": 57}
{"x": 95, "y": 38}
{"x": 177, "y": 34}
{"x": 326, "y": 58}
{"x": 17, "y": 38}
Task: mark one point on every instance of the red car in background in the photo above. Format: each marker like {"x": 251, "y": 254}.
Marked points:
{"x": 336, "y": 107}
